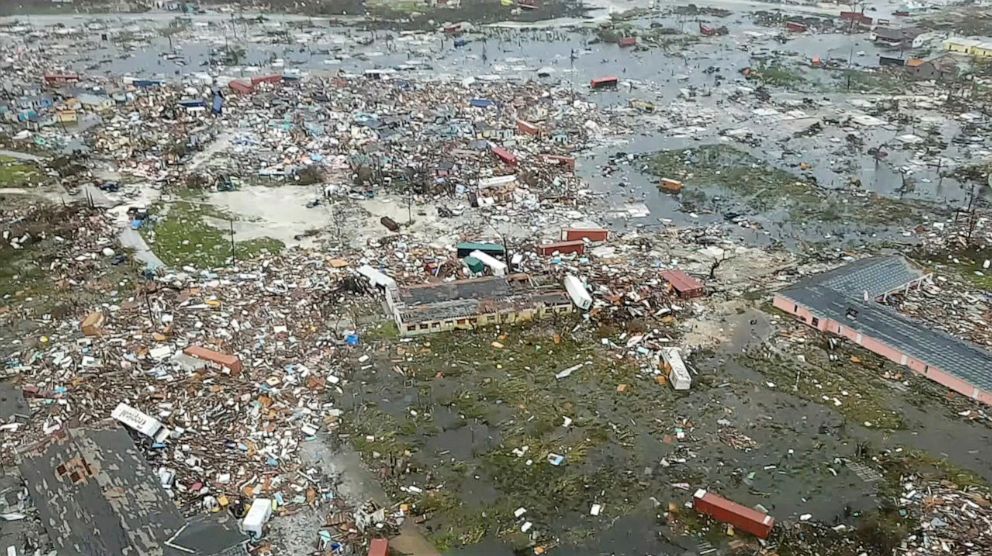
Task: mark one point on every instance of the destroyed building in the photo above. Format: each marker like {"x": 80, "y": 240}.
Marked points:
{"x": 96, "y": 495}
{"x": 466, "y": 304}
{"x": 844, "y": 302}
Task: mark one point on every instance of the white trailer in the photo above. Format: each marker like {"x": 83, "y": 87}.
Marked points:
{"x": 141, "y": 422}
{"x": 378, "y": 279}
{"x": 578, "y": 292}
{"x": 256, "y": 518}
{"x": 678, "y": 375}
{"x": 498, "y": 266}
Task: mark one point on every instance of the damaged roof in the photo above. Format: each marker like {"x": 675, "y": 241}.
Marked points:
{"x": 462, "y": 298}
{"x": 838, "y": 295}
{"x": 875, "y": 276}
{"x": 96, "y": 495}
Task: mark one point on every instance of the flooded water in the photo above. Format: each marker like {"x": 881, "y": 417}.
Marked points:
{"x": 676, "y": 80}
{"x": 459, "y": 416}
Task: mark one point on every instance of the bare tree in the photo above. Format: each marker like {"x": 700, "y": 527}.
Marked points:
{"x": 725, "y": 255}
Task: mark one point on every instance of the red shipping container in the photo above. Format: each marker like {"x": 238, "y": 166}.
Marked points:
{"x": 562, "y": 247}
{"x": 627, "y": 41}
{"x": 566, "y": 161}
{"x": 217, "y": 359}
{"x": 242, "y": 87}
{"x": 505, "y": 155}
{"x": 266, "y": 79}
{"x": 741, "y": 517}
{"x": 527, "y": 128}
{"x": 795, "y": 27}
{"x": 379, "y": 547}
{"x": 592, "y": 234}
{"x": 601, "y": 82}
{"x": 686, "y": 286}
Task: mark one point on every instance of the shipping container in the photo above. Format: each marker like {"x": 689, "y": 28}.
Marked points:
{"x": 670, "y": 185}
{"x": 577, "y": 291}
{"x": 378, "y": 279}
{"x": 603, "y": 82}
{"x": 240, "y": 86}
{"x": 379, "y": 547}
{"x": 562, "y": 247}
{"x": 498, "y": 266}
{"x": 795, "y": 27}
{"x": 527, "y": 128}
{"x": 505, "y": 155}
{"x": 592, "y": 234}
{"x": 141, "y": 422}
{"x": 741, "y": 517}
{"x": 215, "y": 359}
{"x": 493, "y": 249}
{"x": 474, "y": 265}
{"x": 678, "y": 375}
{"x": 256, "y": 518}
{"x": 566, "y": 161}
{"x": 684, "y": 285}
{"x": 625, "y": 42}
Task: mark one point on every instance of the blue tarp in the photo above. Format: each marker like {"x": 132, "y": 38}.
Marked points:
{"x": 218, "y": 104}
{"x": 146, "y": 83}
{"x": 192, "y": 103}
{"x": 481, "y": 102}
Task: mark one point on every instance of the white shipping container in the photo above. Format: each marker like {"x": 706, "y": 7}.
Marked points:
{"x": 141, "y": 422}
{"x": 578, "y": 292}
{"x": 256, "y": 518}
{"x": 679, "y": 376}
{"x": 377, "y": 278}
{"x": 498, "y": 266}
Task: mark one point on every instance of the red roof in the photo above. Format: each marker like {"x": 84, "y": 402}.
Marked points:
{"x": 681, "y": 281}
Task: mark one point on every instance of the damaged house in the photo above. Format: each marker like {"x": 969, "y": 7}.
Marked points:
{"x": 844, "y": 302}
{"x": 466, "y": 304}
{"x": 96, "y": 495}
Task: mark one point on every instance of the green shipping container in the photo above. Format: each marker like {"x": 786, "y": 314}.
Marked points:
{"x": 493, "y": 249}
{"x": 473, "y": 264}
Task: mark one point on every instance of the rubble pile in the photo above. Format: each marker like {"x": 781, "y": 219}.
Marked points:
{"x": 952, "y": 521}
{"x": 236, "y": 426}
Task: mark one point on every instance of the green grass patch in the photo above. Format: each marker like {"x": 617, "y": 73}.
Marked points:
{"x": 778, "y": 75}
{"x": 182, "y": 237}
{"x": 763, "y": 187}
{"x": 864, "y": 81}
{"x": 967, "y": 263}
{"x": 15, "y": 173}
{"x": 863, "y": 396}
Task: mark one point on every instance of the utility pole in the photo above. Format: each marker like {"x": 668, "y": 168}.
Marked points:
{"x": 230, "y": 222}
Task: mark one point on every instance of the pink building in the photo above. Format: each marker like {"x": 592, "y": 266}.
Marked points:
{"x": 844, "y": 302}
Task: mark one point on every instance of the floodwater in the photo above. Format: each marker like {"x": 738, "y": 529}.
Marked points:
{"x": 793, "y": 470}
{"x": 677, "y": 81}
